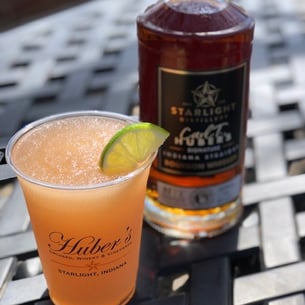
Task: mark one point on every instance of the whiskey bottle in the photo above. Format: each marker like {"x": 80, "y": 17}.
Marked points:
{"x": 194, "y": 59}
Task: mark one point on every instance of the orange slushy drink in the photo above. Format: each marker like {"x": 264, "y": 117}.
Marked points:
{"x": 87, "y": 225}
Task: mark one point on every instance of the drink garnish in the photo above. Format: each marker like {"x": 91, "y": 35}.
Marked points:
{"x": 130, "y": 147}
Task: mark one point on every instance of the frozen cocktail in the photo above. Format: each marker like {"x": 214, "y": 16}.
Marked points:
{"x": 87, "y": 223}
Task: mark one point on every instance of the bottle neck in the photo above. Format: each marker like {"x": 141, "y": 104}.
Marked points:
{"x": 197, "y": 7}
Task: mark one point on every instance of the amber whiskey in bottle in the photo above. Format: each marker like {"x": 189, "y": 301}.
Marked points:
{"x": 194, "y": 58}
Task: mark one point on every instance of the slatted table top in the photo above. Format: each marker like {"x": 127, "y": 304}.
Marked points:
{"x": 86, "y": 58}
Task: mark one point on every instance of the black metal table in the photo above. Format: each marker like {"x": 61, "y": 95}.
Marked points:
{"x": 86, "y": 58}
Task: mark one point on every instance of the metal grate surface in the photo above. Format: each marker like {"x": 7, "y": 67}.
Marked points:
{"x": 86, "y": 58}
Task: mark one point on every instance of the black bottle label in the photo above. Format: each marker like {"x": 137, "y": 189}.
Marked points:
{"x": 204, "y": 113}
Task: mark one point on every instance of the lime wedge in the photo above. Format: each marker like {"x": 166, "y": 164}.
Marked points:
{"x": 130, "y": 147}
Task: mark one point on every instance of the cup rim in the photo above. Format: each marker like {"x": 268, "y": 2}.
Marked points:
{"x": 36, "y": 123}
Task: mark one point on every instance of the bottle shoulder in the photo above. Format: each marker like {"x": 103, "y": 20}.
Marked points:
{"x": 195, "y": 17}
